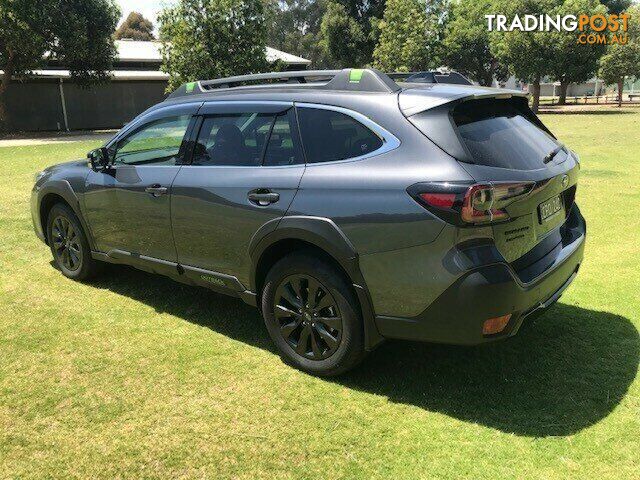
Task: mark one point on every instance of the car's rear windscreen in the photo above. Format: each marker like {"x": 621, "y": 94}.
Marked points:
{"x": 500, "y": 133}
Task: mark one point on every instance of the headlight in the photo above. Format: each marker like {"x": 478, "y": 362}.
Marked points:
{"x": 577, "y": 158}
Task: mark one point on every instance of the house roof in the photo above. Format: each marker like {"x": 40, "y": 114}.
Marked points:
{"x": 140, "y": 51}
{"x": 149, "y": 52}
{"x": 273, "y": 55}
{"x": 115, "y": 74}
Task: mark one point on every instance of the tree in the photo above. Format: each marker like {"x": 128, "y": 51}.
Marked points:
{"x": 343, "y": 38}
{"x": 616, "y": 6}
{"x": 620, "y": 60}
{"x": 293, "y": 26}
{"x": 212, "y": 38}
{"x": 466, "y": 48}
{"x": 407, "y": 41}
{"x": 572, "y": 62}
{"x": 78, "y": 34}
{"x": 135, "y": 27}
{"x": 527, "y": 55}
{"x": 349, "y": 30}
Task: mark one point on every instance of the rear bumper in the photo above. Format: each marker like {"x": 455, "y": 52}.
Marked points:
{"x": 488, "y": 291}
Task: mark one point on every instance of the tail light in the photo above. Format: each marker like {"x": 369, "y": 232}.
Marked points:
{"x": 464, "y": 204}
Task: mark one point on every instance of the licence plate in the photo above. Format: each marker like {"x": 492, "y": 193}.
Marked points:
{"x": 549, "y": 208}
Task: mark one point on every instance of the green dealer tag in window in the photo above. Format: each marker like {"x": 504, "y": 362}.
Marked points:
{"x": 355, "y": 75}
{"x": 190, "y": 86}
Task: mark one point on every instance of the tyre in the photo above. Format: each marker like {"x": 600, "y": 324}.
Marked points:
{"x": 69, "y": 244}
{"x": 312, "y": 315}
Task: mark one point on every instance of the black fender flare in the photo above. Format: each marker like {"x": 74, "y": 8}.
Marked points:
{"x": 326, "y": 235}
{"x": 63, "y": 189}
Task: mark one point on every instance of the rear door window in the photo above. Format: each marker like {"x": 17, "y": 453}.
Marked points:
{"x": 232, "y": 139}
{"x": 283, "y": 147}
{"x": 328, "y": 136}
{"x": 247, "y": 139}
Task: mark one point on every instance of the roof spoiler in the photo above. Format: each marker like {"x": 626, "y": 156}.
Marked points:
{"x": 349, "y": 79}
{"x": 416, "y": 100}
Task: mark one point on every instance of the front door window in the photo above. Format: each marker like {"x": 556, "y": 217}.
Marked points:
{"x": 156, "y": 143}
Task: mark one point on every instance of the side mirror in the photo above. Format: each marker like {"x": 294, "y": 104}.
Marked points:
{"x": 99, "y": 158}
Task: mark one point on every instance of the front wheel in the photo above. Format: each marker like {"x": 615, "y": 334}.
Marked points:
{"x": 312, "y": 315}
{"x": 69, "y": 244}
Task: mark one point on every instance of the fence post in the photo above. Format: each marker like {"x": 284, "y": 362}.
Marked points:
{"x": 64, "y": 106}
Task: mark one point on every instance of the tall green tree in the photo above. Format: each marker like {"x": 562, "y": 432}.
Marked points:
{"x": 527, "y": 55}
{"x": 466, "y": 48}
{"x": 349, "y": 30}
{"x": 343, "y": 38}
{"x": 616, "y": 6}
{"x": 212, "y": 38}
{"x": 135, "y": 27}
{"x": 622, "y": 61}
{"x": 572, "y": 62}
{"x": 408, "y": 38}
{"x": 293, "y": 26}
{"x": 77, "y": 33}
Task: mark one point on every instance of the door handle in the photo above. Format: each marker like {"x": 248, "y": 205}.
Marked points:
{"x": 156, "y": 190}
{"x": 263, "y": 197}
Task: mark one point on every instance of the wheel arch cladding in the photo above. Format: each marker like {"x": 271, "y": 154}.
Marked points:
{"x": 320, "y": 233}
{"x": 323, "y": 237}
{"x": 61, "y": 192}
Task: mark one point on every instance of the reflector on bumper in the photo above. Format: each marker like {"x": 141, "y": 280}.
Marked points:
{"x": 495, "y": 325}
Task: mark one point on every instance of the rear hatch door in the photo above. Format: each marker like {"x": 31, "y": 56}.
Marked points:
{"x": 498, "y": 139}
{"x": 539, "y": 214}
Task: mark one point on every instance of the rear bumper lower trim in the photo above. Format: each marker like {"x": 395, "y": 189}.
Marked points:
{"x": 489, "y": 291}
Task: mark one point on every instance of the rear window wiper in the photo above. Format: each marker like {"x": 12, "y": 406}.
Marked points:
{"x": 553, "y": 153}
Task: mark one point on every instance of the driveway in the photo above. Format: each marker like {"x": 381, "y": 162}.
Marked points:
{"x": 39, "y": 138}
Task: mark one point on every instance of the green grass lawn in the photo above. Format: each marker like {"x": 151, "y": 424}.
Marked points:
{"x": 137, "y": 376}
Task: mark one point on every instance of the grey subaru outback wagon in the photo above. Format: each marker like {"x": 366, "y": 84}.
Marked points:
{"x": 348, "y": 208}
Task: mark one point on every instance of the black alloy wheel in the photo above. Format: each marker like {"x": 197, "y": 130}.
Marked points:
{"x": 308, "y": 317}
{"x": 67, "y": 246}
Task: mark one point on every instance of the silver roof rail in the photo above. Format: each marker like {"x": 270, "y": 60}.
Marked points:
{"x": 350, "y": 79}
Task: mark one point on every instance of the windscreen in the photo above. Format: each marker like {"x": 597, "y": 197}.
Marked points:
{"x": 453, "y": 78}
{"x": 423, "y": 77}
{"x": 499, "y": 134}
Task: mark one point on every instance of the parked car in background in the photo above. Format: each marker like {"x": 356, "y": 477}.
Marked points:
{"x": 438, "y": 76}
{"x": 347, "y": 208}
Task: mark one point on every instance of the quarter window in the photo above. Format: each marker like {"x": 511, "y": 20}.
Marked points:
{"x": 156, "y": 143}
{"x": 328, "y": 136}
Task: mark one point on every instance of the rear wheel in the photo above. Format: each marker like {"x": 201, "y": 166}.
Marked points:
{"x": 69, "y": 244}
{"x": 312, "y": 315}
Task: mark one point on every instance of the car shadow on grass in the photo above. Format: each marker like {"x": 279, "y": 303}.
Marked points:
{"x": 563, "y": 372}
